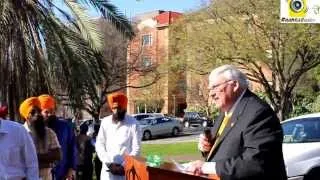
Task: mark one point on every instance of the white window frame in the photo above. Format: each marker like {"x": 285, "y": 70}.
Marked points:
{"x": 144, "y": 59}
{"x": 149, "y": 36}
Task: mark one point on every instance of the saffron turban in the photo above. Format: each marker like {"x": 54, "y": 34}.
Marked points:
{"x": 119, "y": 98}
{"x": 47, "y": 101}
{"x": 27, "y": 105}
{"x": 3, "y": 111}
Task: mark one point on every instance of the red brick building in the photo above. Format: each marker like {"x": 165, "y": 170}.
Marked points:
{"x": 150, "y": 49}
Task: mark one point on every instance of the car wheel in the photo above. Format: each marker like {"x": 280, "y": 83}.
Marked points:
{"x": 175, "y": 131}
{"x": 186, "y": 124}
{"x": 147, "y": 135}
{"x": 204, "y": 123}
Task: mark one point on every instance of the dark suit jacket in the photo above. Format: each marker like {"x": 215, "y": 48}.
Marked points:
{"x": 250, "y": 146}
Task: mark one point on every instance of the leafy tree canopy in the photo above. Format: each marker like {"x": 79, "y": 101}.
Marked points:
{"x": 249, "y": 34}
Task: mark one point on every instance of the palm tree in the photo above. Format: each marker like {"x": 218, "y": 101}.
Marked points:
{"x": 43, "y": 53}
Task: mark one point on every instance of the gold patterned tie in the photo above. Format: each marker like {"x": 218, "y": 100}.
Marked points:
{"x": 223, "y": 125}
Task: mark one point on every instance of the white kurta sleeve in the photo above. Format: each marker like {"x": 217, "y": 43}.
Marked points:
{"x": 101, "y": 144}
{"x": 136, "y": 140}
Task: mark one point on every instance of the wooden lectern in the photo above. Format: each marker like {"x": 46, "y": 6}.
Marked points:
{"x": 136, "y": 169}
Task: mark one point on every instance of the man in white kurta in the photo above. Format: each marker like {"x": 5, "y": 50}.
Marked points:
{"x": 119, "y": 134}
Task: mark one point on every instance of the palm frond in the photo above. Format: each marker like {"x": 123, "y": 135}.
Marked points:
{"x": 112, "y": 14}
{"x": 87, "y": 27}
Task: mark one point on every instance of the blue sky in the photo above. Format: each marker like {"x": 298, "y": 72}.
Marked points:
{"x": 132, "y": 7}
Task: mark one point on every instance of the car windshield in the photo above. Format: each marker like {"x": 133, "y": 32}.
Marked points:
{"x": 301, "y": 130}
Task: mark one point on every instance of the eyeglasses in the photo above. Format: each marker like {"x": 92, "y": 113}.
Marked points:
{"x": 214, "y": 87}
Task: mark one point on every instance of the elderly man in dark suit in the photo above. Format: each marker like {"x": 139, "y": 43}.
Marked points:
{"x": 246, "y": 138}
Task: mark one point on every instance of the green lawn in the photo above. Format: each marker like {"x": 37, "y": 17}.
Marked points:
{"x": 164, "y": 150}
{"x": 176, "y": 149}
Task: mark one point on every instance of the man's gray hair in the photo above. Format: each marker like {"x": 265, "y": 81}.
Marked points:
{"x": 229, "y": 72}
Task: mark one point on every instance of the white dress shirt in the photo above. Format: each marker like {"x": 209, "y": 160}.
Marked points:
{"x": 210, "y": 167}
{"x": 18, "y": 158}
{"x": 116, "y": 139}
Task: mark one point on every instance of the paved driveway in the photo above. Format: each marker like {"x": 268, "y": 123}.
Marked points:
{"x": 188, "y": 135}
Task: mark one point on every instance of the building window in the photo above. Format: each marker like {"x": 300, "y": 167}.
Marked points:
{"x": 146, "y": 61}
{"x": 146, "y": 40}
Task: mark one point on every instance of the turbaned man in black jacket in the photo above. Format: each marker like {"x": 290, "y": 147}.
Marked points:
{"x": 246, "y": 138}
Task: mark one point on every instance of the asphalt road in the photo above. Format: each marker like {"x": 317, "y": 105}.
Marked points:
{"x": 188, "y": 135}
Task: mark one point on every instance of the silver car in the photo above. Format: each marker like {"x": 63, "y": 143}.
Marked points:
{"x": 141, "y": 116}
{"x": 301, "y": 147}
{"x": 155, "y": 126}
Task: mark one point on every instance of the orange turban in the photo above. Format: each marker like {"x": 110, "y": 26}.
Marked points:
{"x": 118, "y": 97}
{"x": 47, "y": 101}
{"x": 27, "y": 105}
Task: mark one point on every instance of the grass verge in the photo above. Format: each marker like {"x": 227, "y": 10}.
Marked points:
{"x": 176, "y": 149}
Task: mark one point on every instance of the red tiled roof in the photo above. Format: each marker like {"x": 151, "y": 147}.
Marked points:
{"x": 167, "y": 17}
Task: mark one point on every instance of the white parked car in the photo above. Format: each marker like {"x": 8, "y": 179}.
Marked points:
{"x": 155, "y": 126}
{"x": 141, "y": 116}
{"x": 301, "y": 147}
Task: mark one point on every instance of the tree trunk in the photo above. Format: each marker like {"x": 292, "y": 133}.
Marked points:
{"x": 280, "y": 114}
{"x": 285, "y": 106}
{"x": 11, "y": 105}
{"x": 96, "y": 115}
